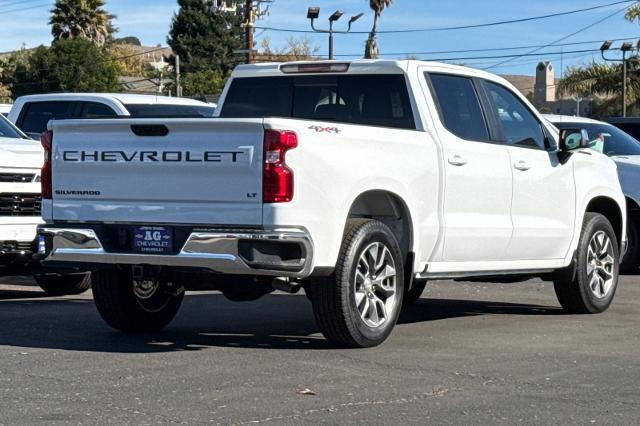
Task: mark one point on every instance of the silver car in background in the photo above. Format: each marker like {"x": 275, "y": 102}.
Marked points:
{"x": 625, "y": 151}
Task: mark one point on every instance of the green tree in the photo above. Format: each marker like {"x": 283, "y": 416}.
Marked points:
{"x": 205, "y": 40}
{"x": 371, "y": 47}
{"x": 201, "y": 83}
{"x": 129, "y": 60}
{"x": 81, "y": 19}
{"x": 134, "y": 41}
{"x": 74, "y": 65}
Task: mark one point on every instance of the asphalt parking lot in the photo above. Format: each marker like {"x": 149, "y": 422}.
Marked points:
{"x": 468, "y": 353}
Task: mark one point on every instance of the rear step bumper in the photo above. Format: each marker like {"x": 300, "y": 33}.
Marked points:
{"x": 279, "y": 252}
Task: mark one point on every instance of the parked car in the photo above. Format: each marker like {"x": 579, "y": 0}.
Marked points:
{"x": 4, "y": 109}
{"x": 630, "y": 125}
{"x": 20, "y": 203}
{"x": 357, "y": 180}
{"x": 32, "y": 113}
{"x": 625, "y": 151}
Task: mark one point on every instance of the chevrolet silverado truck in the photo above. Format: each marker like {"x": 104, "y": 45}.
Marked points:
{"x": 357, "y": 181}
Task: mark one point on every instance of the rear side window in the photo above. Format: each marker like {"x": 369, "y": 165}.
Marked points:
{"x": 459, "y": 105}
{"x": 169, "y": 111}
{"x": 92, "y": 110}
{"x": 375, "y": 100}
{"x": 36, "y": 115}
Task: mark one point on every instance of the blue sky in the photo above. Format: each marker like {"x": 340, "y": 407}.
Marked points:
{"x": 150, "y": 20}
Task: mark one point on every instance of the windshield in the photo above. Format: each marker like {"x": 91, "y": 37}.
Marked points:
{"x": 170, "y": 111}
{"x": 7, "y": 130}
{"x": 606, "y": 138}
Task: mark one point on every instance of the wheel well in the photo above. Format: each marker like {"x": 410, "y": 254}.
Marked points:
{"x": 609, "y": 209}
{"x": 389, "y": 209}
{"x": 632, "y": 206}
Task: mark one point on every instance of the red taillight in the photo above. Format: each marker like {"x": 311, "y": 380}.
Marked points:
{"x": 46, "y": 139}
{"x": 277, "y": 178}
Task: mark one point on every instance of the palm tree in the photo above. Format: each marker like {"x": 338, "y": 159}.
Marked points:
{"x": 371, "y": 48}
{"x": 605, "y": 79}
{"x": 81, "y": 18}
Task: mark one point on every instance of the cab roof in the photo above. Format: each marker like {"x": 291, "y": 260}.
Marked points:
{"x": 362, "y": 66}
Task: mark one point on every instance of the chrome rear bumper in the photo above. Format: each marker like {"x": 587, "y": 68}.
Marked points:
{"x": 216, "y": 250}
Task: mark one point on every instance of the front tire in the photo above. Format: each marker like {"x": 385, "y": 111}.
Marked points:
{"x": 359, "y": 304}
{"x": 140, "y": 306}
{"x": 64, "y": 285}
{"x": 597, "y": 268}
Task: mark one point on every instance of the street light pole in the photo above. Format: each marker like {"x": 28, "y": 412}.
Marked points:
{"x": 331, "y": 40}
{"x": 625, "y": 48}
{"x": 314, "y": 13}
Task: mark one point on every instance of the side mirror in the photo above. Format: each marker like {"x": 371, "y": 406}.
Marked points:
{"x": 572, "y": 139}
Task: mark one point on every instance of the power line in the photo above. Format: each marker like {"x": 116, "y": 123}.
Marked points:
{"x": 488, "y": 49}
{"x": 465, "y": 27}
{"x": 4, "y": 12}
{"x": 599, "y": 21}
{"x": 15, "y": 2}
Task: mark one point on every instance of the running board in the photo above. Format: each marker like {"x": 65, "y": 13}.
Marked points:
{"x": 478, "y": 274}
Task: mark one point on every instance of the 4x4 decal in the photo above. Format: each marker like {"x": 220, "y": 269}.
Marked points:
{"x": 321, "y": 129}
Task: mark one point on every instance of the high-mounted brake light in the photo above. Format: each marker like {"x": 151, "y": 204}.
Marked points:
{"x": 46, "y": 139}
{"x": 312, "y": 68}
{"x": 277, "y": 178}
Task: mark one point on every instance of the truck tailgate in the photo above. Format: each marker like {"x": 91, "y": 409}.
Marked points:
{"x": 162, "y": 171}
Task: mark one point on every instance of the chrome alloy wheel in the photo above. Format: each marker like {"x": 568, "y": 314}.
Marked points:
{"x": 601, "y": 265}
{"x": 375, "y": 285}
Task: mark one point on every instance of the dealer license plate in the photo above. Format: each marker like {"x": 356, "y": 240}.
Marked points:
{"x": 153, "y": 239}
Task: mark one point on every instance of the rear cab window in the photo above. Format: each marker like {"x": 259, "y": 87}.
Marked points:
{"x": 96, "y": 110}
{"x": 35, "y": 115}
{"x": 380, "y": 100}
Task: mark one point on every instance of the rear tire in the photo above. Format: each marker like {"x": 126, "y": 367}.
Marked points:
{"x": 359, "y": 304}
{"x": 631, "y": 262}
{"x": 122, "y": 309}
{"x": 596, "y": 276}
{"x": 64, "y": 285}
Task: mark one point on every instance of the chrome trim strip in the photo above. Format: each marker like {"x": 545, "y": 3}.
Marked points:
{"x": 216, "y": 250}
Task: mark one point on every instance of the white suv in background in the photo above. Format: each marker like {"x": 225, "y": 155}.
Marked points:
{"x": 32, "y": 113}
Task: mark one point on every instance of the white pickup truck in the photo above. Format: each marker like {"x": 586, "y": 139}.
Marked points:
{"x": 358, "y": 181}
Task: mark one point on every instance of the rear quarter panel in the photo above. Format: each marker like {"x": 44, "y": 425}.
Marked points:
{"x": 335, "y": 163}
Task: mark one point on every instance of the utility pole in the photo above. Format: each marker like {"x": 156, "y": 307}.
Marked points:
{"x": 178, "y": 79}
{"x": 249, "y": 22}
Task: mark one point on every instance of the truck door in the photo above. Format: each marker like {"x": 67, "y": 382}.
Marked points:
{"x": 543, "y": 207}
{"x": 478, "y": 175}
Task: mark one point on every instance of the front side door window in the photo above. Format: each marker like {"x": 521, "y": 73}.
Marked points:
{"x": 543, "y": 207}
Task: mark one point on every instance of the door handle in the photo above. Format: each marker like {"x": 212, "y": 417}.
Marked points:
{"x": 522, "y": 165}
{"x": 457, "y": 160}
